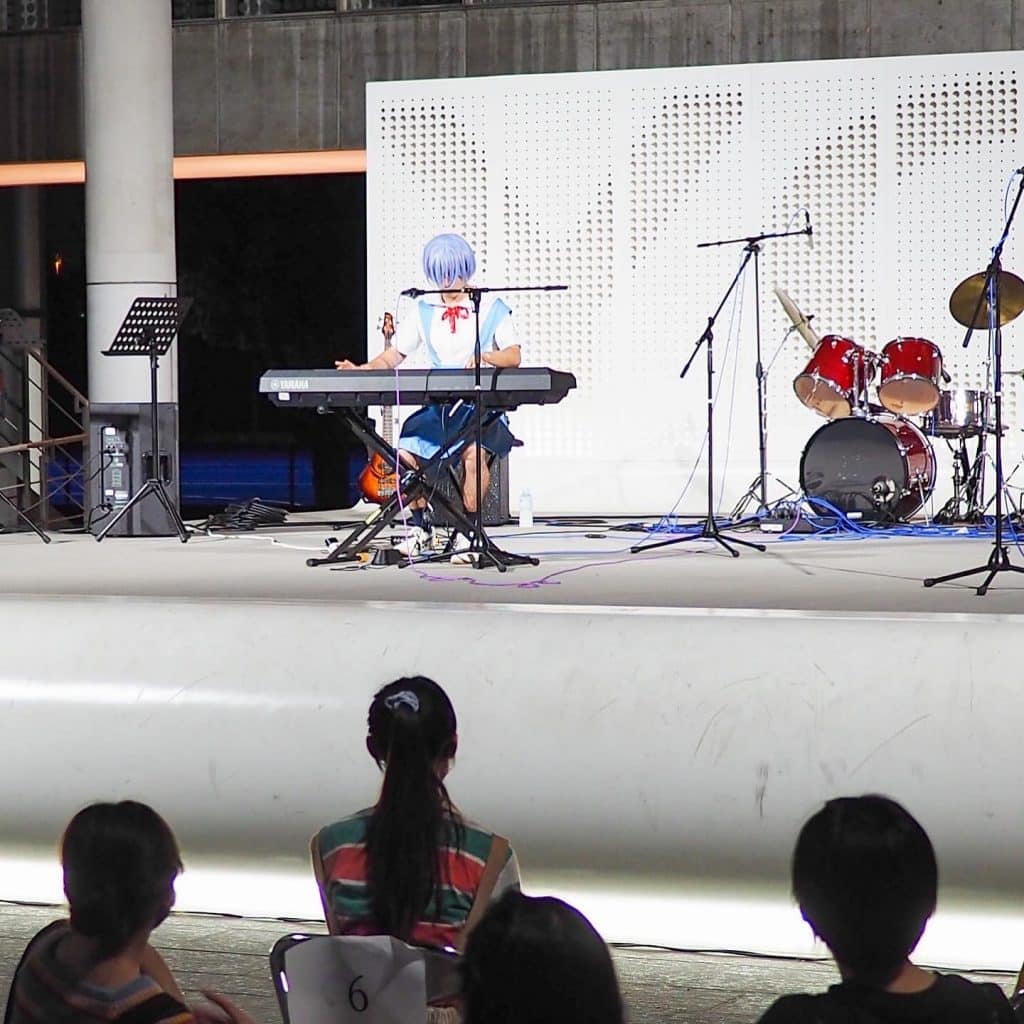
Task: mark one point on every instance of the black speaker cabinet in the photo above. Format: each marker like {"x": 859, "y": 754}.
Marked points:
{"x": 495, "y": 500}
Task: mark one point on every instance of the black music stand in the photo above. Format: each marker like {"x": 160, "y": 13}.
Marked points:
{"x": 148, "y": 330}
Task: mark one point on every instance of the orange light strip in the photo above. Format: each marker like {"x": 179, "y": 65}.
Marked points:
{"x": 232, "y": 165}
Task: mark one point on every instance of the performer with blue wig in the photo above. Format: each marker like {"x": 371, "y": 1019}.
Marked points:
{"x": 444, "y": 326}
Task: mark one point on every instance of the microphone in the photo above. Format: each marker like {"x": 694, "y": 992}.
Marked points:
{"x": 413, "y": 293}
{"x": 808, "y": 230}
{"x": 945, "y": 376}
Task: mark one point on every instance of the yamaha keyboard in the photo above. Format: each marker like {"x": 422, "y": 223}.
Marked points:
{"x": 500, "y": 388}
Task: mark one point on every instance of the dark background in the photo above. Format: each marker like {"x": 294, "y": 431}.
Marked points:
{"x": 276, "y": 269}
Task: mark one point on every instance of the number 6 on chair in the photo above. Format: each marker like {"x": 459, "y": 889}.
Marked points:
{"x": 335, "y": 979}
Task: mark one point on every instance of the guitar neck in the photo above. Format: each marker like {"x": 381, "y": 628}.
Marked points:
{"x": 387, "y": 412}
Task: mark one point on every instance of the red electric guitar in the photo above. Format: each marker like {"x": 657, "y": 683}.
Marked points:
{"x": 377, "y": 482}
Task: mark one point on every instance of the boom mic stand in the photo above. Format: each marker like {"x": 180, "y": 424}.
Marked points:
{"x": 486, "y": 551}
{"x": 710, "y": 531}
{"x": 999, "y": 559}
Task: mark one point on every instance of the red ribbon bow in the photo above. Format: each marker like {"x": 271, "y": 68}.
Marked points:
{"x": 453, "y": 314}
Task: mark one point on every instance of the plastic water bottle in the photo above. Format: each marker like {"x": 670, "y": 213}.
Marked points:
{"x": 525, "y": 510}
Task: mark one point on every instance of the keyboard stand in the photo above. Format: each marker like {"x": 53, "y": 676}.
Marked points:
{"x": 415, "y": 483}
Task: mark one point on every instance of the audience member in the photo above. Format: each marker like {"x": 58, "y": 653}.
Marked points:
{"x": 866, "y": 880}
{"x": 410, "y": 866}
{"x": 537, "y": 960}
{"x": 120, "y": 862}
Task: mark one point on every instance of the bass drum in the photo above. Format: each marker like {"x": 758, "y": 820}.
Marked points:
{"x": 883, "y": 468}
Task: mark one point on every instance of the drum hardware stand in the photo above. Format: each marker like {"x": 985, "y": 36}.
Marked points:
{"x": 149, "y": 329}
{"x": 967, "y": 474}
{"x": 999, "y": 559}
{"x": 486, "y": 551}
{"x": 754, "y": 489}
{"x": 710, "y": 530}
{"x": 1006, "y": 495}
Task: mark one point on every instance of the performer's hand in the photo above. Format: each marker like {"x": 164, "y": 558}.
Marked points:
{"x": 471, "y": 362}
{"x": 345, "y": 364}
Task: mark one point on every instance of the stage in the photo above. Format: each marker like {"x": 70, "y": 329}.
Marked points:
{"x": 587, "y": 566}
{"x": 650, "y": 730}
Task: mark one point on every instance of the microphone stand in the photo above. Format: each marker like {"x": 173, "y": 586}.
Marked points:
{"x": 999, "y": 559}
{"x": 759, "y": 486}
{"x": 710, "y": 530}
{"x": 487, "y": 552}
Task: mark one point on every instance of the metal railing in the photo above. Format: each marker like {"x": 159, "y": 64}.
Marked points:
{"x": 47, "y": 15}
{"x": 44, "y": 425}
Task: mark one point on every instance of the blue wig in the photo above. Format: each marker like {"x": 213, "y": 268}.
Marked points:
{"x": 447, "y": 257}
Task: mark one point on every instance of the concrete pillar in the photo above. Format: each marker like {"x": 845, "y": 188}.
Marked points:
{"x": 129, "y": 191}
{"x": 129, "y": 248}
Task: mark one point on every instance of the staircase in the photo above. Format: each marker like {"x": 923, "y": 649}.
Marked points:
{"x": 44, "y": 422}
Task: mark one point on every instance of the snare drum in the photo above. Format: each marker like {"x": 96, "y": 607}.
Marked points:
{"x": 911, "y": 372}
{"x": 838, "y": 373}
{"x": 959, "y": 413}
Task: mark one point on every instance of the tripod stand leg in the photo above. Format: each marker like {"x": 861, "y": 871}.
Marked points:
{"x": 165, "y": 500}
{"x": 151, "y": 486}
{"x": 124, "y": 510}
{"x": 998, "y": 561}
{"x": 44, "y": 537}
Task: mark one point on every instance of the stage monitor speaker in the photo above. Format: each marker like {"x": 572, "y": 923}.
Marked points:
{"x": 120, "y": 454}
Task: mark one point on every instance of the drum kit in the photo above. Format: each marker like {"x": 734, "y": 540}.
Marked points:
{"x": 874, "y": 460}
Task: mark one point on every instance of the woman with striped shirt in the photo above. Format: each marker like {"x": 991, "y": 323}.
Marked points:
{"x": 410, "y": 866}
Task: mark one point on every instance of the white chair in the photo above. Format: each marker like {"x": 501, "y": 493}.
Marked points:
{"x": 373, "y": 980}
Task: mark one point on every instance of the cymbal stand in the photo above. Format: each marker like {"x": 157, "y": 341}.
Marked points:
{"x": 999, "y": 559}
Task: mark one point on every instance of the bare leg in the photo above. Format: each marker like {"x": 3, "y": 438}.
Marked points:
{"x": 469, "y": 480}
{"x": 410, "y": 460}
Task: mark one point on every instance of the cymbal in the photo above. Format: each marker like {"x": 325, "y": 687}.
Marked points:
{"x": 797, "y": 319}
{"x": 964, "y": 300}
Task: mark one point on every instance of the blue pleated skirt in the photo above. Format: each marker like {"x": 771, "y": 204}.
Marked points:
{"x": 434, "y": 427}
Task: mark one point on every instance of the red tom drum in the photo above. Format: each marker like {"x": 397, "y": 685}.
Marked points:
{"x": 909, "y": 384}
{"x": 835, "y": 378}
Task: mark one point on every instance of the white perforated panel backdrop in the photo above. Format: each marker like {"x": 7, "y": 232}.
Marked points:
{"x": 607, "y": 181}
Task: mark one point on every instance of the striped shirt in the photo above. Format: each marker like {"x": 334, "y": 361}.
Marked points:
{"x": 342, "y": 849}
{"x": 47, "y": 991}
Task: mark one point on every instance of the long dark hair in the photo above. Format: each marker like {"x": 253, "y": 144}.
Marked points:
{"x": 411, "y": 727}
{"x": 538, "y": 960}
{"x": 120, "y": 861}
{"x": 866, "y": 879}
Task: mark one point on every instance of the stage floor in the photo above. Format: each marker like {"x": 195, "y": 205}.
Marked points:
{"x": 582, "y": 566}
